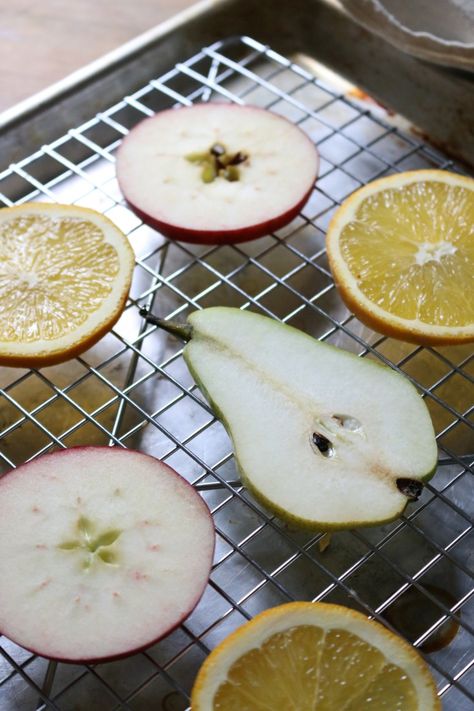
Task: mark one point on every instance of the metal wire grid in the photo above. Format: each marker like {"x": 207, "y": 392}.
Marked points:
{"x": 133, "y": 390}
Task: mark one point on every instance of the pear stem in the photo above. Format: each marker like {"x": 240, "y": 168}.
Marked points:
{"x": 181, "y": 330}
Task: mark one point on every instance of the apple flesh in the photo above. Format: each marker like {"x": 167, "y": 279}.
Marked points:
{"x": 216, "y": 173}
{"x": 103, "y": 551}
{"x": 324, "y": 439}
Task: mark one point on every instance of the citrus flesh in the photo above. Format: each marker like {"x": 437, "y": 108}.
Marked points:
{"x": 402, "y": 254}
{"x": 313, "y": 657}
{"x": 65, "y": 273}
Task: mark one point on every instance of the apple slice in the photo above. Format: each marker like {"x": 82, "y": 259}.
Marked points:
{"x": 216, "y": 173}
{"x": 103, "y": 551}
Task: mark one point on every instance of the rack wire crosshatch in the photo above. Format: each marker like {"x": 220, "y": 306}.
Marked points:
{"x": 133, "y": 390}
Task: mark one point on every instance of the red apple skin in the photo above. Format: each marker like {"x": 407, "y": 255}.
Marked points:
{"x": 245, "y": 234}
{"x": 226, "y": 236}
{"x": 146, "y": 645}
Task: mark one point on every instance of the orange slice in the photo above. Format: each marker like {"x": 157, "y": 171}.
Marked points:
{"x": 401, "y": 250}
{"x": 65, "y": 273}
{"x": 307, "y": 656}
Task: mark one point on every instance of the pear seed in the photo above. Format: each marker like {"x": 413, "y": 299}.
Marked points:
{"x": 323, "y": 444}
{"x": 348, "y": 422}
{"x": 411, "y": 488}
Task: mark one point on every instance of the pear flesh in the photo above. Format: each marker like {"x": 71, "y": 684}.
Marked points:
{"x": 321, "y": 436}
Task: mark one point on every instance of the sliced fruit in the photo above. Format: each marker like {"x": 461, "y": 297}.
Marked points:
{"x": 65, "y": 273}
{"x": 401, "y": 250}
{"x": 323, "y": 438}
{"x": 216, "y": 173}
{"x": 307, "y": 656}
{"x": 95, "y": 562}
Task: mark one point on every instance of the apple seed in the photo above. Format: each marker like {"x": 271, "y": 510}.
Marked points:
{"x": 239, "y": 157}
{"x": 218, "y": 149}
{"x": 217, "y": 162}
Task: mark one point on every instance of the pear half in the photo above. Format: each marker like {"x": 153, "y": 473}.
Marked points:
{"x": 323, "y": 438}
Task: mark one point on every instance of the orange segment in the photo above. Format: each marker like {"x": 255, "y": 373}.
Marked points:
{"x": 347, "y": 664}
{"x": 252, "y": 679}
{"x": 313, "y": 657}
{"x": 320, "y": 669}
{"x": 390, "y": 689}
{"x": 401, "y": 250}
{"x": 65, "y": 273}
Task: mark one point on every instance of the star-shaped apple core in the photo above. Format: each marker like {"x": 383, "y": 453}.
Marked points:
{"x": 92, "y": 545}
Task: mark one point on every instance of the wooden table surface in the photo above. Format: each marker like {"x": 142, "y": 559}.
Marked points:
{"x": 44, "y": 41}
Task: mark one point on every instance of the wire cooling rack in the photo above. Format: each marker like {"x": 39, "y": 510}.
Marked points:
{"x": 133, "y": 390}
